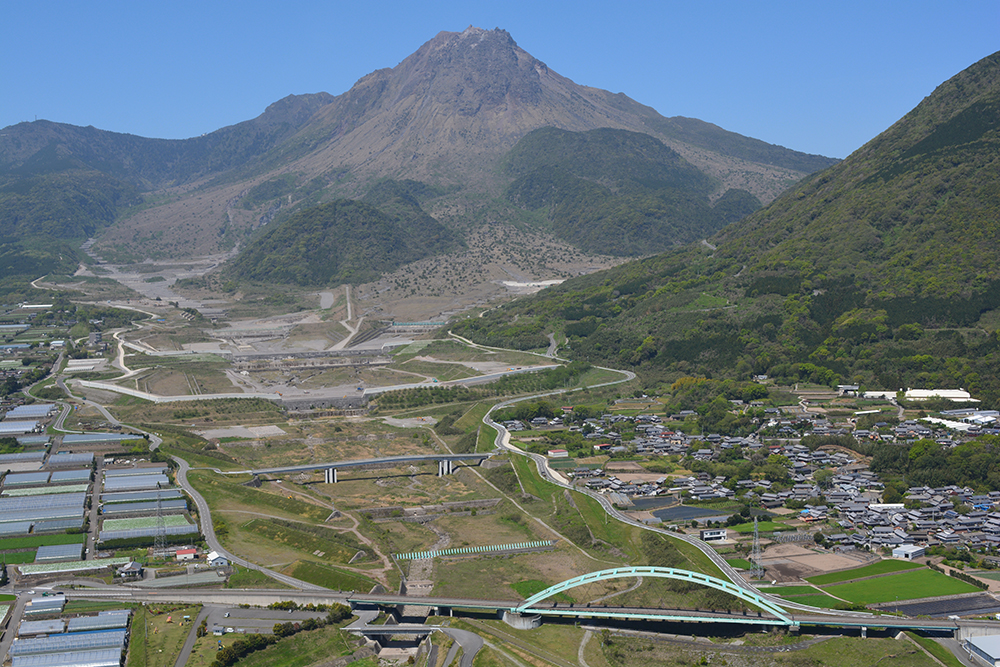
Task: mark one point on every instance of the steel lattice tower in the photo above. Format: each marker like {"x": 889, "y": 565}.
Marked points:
{"x": 160, "y": 540}
{"x": 756, "y": 558}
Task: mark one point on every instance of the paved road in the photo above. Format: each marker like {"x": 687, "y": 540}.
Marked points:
{"x": 208, "y": 530}
{"x": 192, "y": 637}
{"x": 470, "y": 642}
{"x": 13, "y": 619}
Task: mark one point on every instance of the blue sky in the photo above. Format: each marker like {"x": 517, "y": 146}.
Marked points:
{"x": 816, "y": 77}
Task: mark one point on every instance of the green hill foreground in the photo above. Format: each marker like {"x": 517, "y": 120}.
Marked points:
{"x": 881, "y": 270}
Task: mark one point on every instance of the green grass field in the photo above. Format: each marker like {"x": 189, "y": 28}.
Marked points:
{"x": 530, "y": 587}
{"x": 739, "y": 563}
{"x": 881, "y": 567}
{"x": 334, "y": 546}
{"x": 222, "y": 493}
{"x": 762, "y": 526}
{"x": 19, "y": 557}
{"x": 247, "y": 578}
{"x": 902, "y": 586}
{"x": 935, "y": 649}
{"x": 31, "y": 541}
{"x": 306, "y": 648}
{"x": 330, "y": 577}
{"x": 785, "y": 591}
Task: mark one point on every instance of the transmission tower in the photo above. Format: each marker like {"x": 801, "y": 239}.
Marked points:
{"x": 756, "y": 558}
{"x": 160, "y": 540}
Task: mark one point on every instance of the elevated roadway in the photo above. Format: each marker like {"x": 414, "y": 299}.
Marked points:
{"x": 358, "y": 463}
{"x": 264, "y": 597}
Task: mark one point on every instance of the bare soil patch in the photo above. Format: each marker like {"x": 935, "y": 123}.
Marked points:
{"x": 791, "y": 562}
{"x": 625, "y": 465}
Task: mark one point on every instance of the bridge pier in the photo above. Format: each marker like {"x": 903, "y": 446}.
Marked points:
{"x": 522, "y": 621}
{"x": 330, "y": 475}
{"x": 445, "y": 468}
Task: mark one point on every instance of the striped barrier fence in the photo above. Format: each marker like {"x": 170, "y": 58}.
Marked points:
{"x": 461, "y": 551}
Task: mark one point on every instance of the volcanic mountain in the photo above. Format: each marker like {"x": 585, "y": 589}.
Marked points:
{"x": 445, "y": 116}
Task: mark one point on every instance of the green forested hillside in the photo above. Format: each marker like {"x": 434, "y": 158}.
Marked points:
{"x": 881, "y": 270}
{"x": 617, "y": 192}
{"x": 344, "y": 241}
{"x": 44, "y": 217}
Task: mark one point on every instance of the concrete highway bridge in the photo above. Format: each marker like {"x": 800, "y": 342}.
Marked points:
{"x": 446, "y": 465}
{"x": 528, "y": 613}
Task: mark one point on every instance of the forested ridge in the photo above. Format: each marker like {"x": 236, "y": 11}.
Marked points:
{"x": 879, "y": 271}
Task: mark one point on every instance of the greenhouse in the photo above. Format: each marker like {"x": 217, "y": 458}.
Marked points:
{"x": 64, "y": 643}
{"x": 172, "y": 506}
{"x": 139, "y": 496}
{"x": 108, "y": 657}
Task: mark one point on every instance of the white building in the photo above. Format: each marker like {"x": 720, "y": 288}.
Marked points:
{"x": 215, "y": 559}
{"x": 908, "y": 551}
{"x": 985, "y": 650}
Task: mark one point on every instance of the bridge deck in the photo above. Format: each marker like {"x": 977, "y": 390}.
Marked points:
{"x": 415, "y": 458}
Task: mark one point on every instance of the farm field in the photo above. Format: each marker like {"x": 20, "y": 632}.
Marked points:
{"x": 881, "y": 567}
{"x": 903, "y": 586}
